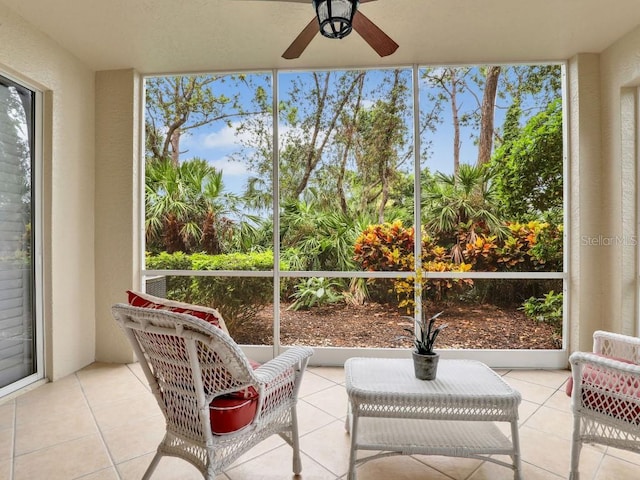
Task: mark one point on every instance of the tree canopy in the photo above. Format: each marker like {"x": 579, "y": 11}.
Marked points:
{"x": 528, "y": 167}
{"x": 345, "y": 153}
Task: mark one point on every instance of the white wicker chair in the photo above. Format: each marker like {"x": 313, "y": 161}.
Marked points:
{"x": 188, "y": 363}
{"x": 605, "y": 397}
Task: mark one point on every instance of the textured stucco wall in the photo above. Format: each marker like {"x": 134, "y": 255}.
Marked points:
{"x": 68, "y": 189}
{"x": 585, "y": 204}
{"x": 620, "y": 80}
{"x": 117, "y": 212}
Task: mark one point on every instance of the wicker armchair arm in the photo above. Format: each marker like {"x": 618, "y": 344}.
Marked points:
{"x": 578, "y": 359}
{"x": 617, "y": 345}
{"x": 294, "y": 357}
{"x": 278, "y": 382}
{"x": 607, "y": 386}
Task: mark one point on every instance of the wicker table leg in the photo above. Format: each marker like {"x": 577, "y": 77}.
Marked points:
{"x": 354, "y": 443}
{"x": 515, "y": 441}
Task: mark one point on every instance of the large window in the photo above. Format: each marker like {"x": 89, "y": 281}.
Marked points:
{"x": 399, "y": 191}
{"x": 19, "y": 352}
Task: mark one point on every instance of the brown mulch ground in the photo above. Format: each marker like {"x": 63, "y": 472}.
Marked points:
{"x": 375, "y": 325}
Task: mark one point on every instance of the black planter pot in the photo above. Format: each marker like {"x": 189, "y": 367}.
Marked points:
{"x": 425, "y": 366}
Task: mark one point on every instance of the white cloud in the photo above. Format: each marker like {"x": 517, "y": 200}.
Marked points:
{"x": 205, "y": 139}
{"x": 228, "y": 167}
{"x": 223, "y": 138}
{"x": 227, "y": 136}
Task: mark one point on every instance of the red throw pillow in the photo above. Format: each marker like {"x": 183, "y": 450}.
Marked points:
{"x": 144, "y": 300}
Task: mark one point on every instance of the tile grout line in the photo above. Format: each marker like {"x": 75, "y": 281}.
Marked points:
{"x": 100, "y": 434}
{"x": 143, "y": 381}
{"x": 424, "y": 462}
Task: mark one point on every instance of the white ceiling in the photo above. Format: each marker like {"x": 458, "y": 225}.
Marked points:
{"x": 166, "y": 36}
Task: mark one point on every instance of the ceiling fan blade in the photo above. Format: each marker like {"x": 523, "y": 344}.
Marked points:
{"x": 376, "y": 38}
{"x": 302, "y": 40}
{"x": 308, "y": 1}
{"x": 291, "y": 1}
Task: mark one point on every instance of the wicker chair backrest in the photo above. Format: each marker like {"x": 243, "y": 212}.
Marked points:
{"x": 188, "y": 362}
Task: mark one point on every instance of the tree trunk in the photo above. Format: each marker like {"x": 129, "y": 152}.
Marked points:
{"x": 175, "y": 147}
{"x": 172, "y": 239}
{"x": 485, "y": 142}
{"x": 210, "y": 238}
{"x": 385, "y": 195}
{"x": 456, "y": 124}
{"x": 340, "y": 180}
{"x": 349, "y": 131}
{"x": 387, "y": 147}
{"x": 314, "y": 154}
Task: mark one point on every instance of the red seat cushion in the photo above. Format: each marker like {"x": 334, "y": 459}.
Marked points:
{"x": 144, "y": 300}
{"x": 597, "y": 387}
{"x": 229, "y": 414}
{"x": 233, "y": 411}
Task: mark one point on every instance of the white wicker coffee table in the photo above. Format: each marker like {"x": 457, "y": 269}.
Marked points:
{"x": 392, "y": 412}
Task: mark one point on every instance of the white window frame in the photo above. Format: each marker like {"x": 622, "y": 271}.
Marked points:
{"x": 37, "y": 190}
{"x": 552, "y": 359}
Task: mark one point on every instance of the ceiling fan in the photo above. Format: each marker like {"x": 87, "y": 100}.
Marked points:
{"x": 335, "y": 19}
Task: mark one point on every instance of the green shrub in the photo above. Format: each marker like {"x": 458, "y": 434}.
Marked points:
{"x": 168, "y": 261}
{"x": 546, "y": 309}
{"x": 178, "y": 288}
{"x": 316, "y": 291}
{"x": 262, "y": 261}
{"x": 236, "y": 298}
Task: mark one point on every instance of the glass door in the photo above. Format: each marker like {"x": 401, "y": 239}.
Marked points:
{"x": 18, "y": 352}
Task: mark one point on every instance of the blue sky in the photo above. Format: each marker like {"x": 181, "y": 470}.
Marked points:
{"x": 215, "y": 145}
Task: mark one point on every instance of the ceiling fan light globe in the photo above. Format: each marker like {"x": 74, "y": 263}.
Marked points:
{"x": 335, "y": 16}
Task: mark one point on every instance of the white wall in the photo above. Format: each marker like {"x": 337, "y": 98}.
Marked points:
{"x": 69, "y": 189}
{"x": 118, "y": 235}
{"x": 620, "y": 79}
{"x": 585, "y": 204}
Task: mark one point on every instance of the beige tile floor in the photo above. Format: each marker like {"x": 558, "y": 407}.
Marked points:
{"x": 103, "y": 424}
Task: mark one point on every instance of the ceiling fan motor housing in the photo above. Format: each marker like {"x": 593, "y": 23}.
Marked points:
{"x": 335, "y": 16}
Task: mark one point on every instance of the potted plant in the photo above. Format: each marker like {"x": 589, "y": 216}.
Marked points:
{"x": 424, "y": 335}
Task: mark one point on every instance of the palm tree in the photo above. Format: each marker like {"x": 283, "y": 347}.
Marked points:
{"x": 184, "y": 208}
{"x": 319, "y": 239}
{"x": 455, "y": 208}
